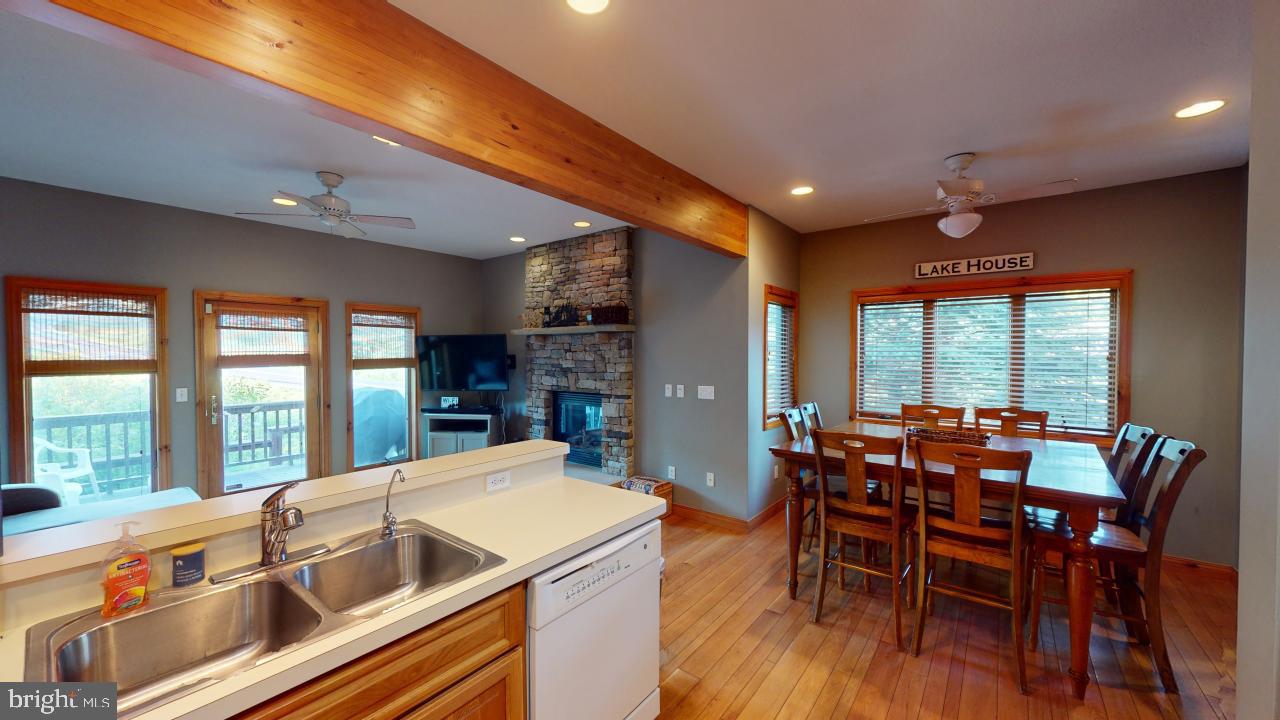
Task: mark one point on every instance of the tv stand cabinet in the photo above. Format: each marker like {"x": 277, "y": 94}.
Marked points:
{"x": 446, "y": 433}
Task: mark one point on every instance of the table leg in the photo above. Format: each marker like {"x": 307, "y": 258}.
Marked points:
{"x": 795, "y": 522}
{"x": 1081, "y": 582}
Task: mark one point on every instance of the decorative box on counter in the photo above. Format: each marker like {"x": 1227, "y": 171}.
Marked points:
{"x": 648, "y": 486}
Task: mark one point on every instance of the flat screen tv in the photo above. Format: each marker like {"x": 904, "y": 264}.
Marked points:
{"x": 462, "y": 362}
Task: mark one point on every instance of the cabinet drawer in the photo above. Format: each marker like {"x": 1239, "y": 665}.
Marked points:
{"x": 394, "y": 679}
{"x": 494, "y": 693}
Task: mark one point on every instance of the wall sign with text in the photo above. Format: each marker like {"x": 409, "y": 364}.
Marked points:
{"x": 975, "y": 266}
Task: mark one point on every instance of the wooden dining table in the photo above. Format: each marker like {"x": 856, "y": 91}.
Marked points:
{"x": 1067, "y": 476}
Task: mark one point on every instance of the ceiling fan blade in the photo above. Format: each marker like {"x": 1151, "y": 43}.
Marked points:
{"x": 960, "y": 187}
{"x": 348, "y": 224}
{"x": 297, "y": 215}
{"x": 389, "y": 221}
{"x": 301, "y": 200}
{"x": 903, "y": 213}
{"x": 1057, "y": 187}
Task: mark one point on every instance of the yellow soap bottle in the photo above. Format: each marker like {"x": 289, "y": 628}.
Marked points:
{"x": 125, "y": 573}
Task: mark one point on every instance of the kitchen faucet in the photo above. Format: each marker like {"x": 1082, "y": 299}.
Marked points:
{"x": 389, "y": 520}
{"x": 277, "y": 521}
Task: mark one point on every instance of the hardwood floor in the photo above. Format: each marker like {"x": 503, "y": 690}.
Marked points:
{"x": 734, "y": 645}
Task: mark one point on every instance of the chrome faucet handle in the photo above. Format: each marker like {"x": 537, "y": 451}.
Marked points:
{"x": 290, "y": 519}
{"x": 275, "y": 501}
{"x": 389, "y": 521}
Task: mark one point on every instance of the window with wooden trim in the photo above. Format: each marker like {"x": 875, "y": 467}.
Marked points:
{"x": 779, "y": 352}
{"x": 1055, "y": 343}
{"x": 382, "y": 388}
{"x": 87, "y": 379}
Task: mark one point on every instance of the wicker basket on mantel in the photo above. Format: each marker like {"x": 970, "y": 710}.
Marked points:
{"x": 649, "y": 486}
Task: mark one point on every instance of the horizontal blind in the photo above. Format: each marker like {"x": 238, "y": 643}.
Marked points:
{"x": 262, "y": 332}
{"x": 780, "y": 344}
{"x": 87, "y": 326}
{"x": 377, "y": 335}
{"x": 1054, "y": 351}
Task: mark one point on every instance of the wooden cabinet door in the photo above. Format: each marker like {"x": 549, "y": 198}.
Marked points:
{"x": 496, "y": 692}
{"x": 472, "y": 441}
{"x": 443, "y": 444}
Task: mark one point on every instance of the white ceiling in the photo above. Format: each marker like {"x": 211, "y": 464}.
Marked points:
{"x": 86, "y": 116}
{"x": 863, "y": 100}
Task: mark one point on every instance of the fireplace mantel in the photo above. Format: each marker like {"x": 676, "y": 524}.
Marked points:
{"x": 575, "y": 330}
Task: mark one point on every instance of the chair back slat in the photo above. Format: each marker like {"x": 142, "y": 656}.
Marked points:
{"x": 812, "y": 416}
{"x": 1129, "y": 455}
{"x": 1010, "y": 419}
{"x": 793, "y": 422}
{"x": 1161, "y": 482}
{"x": 967, "y": 463}
{"x": 854, "y": 448}
{"x": 932, "y": 415}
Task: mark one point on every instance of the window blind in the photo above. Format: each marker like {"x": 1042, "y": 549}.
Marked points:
{"x": 382, "y": 335}
{"x": 93, "y": 326}
{"x": 262, "y": 332}
{"x": 1055, "y": 351}
{"x": 780, "y": 356}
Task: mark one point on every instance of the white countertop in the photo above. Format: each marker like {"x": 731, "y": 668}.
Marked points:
{"x": 534, "y": 527}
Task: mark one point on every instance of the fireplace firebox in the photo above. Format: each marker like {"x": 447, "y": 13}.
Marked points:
{"x": 578, "y": 419}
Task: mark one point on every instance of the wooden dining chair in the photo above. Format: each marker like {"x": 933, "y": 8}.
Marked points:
{"x": 1129, "y": 454}
{"x": 1009, "y": 420}
{"x": 1134, "y": 547}
{"x": 793, "y": 422}
{"x": 812, "y": 416}
{"x": 864, "y": 515}
{"x": 962, "y": 533}
{"x": 931, "y": 416}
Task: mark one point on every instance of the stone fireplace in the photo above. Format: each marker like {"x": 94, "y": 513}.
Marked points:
{"x": 589, "y": 366}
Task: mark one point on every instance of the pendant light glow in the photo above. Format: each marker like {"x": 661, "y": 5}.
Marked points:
{"x": 588, "y": 7}
{"x": 581, "y": 224}
{"x": 1200, "y": 108}
{"x": 517, "y": 239}
{"x": 802, "y": 190}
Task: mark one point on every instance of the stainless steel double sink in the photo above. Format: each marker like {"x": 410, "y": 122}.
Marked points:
{"x": 187, "y": 638}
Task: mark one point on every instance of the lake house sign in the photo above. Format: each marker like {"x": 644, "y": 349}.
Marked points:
{"x": 975, "y": 266}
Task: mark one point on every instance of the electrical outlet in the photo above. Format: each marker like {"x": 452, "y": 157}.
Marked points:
{"x": 679, "y": 391}
{"x": 667, "y": 390}
{"x": 180, "y": 395}
{"x": 671, "y": 472}
{"x": 497, "y": 481}
{"x": 711, "y": 479}
{"x": 706, "y": 392}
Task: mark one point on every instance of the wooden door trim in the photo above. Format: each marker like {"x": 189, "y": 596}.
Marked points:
{"x": 205, "y": 356}
{"x": 416, "y": 404}
{"x": 380, "y": 70}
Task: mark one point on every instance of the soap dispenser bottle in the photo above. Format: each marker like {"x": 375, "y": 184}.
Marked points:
{"x": 125, "y": 573}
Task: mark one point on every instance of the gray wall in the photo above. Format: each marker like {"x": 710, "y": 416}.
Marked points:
{"x": 53, "y": 232}
{"x": 1259, "y": 600}
{"x": 503, "y": 305}
{"x": 1182, "y": 236}
{"x": 691, "y": 308}
{"x": 773, "y": 258}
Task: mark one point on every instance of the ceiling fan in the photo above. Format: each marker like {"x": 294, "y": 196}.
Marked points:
{"x": 958, "y": 196}
{"x": 333, "y": 210}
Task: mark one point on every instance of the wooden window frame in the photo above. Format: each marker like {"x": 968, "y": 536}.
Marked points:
{"x": 203, "y": 449}
{"x": 1120, "y": 280}
{"x": 20, "y": 397}
{"x": 353, "y": 364}
{"x": 787, "y": 298}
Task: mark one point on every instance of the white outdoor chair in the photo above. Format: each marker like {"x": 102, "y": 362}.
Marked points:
{"x": 79, "y": 472}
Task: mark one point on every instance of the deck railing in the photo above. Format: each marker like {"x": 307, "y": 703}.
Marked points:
{"x": 263, "y": 433}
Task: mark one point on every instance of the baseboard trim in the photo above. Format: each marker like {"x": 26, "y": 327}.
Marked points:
{"x": 1216, "y": 568}
{"x": 726, "y": 522}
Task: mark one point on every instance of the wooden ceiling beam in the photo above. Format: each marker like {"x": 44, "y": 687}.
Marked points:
{"x": 371, "y": 66}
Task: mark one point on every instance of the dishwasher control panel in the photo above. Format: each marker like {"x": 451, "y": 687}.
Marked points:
{"x": 591, "y": 573}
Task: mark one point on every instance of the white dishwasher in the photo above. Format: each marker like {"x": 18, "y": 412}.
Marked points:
{"x": 593, "y": 632}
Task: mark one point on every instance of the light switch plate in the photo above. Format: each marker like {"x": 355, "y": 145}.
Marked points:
{"x": 180, "y": 395}
{"x": 679, "y": 391}
{"x": 671, "y": 472}
{"x": 706, "y": 392}
{"x": 497, "y": 481}
{"x": 711, "y": 479}
{"x": 666, "y": 390}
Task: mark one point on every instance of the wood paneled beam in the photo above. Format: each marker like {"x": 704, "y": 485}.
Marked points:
{"x": 371, "y": 66}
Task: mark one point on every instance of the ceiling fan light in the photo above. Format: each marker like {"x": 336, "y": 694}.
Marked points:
{"x": 957, "y": 225}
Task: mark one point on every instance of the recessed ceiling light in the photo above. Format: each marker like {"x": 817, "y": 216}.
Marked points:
{"x": 588, "y": 7}
{"x": 392, "y": 143}
{"x": 517, "y": 239}
{"x": 801, "y": 190}
{"x": 581, "y": 223}
{"x": 284, "y": 201}
{"x": 1200, "y": 108}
